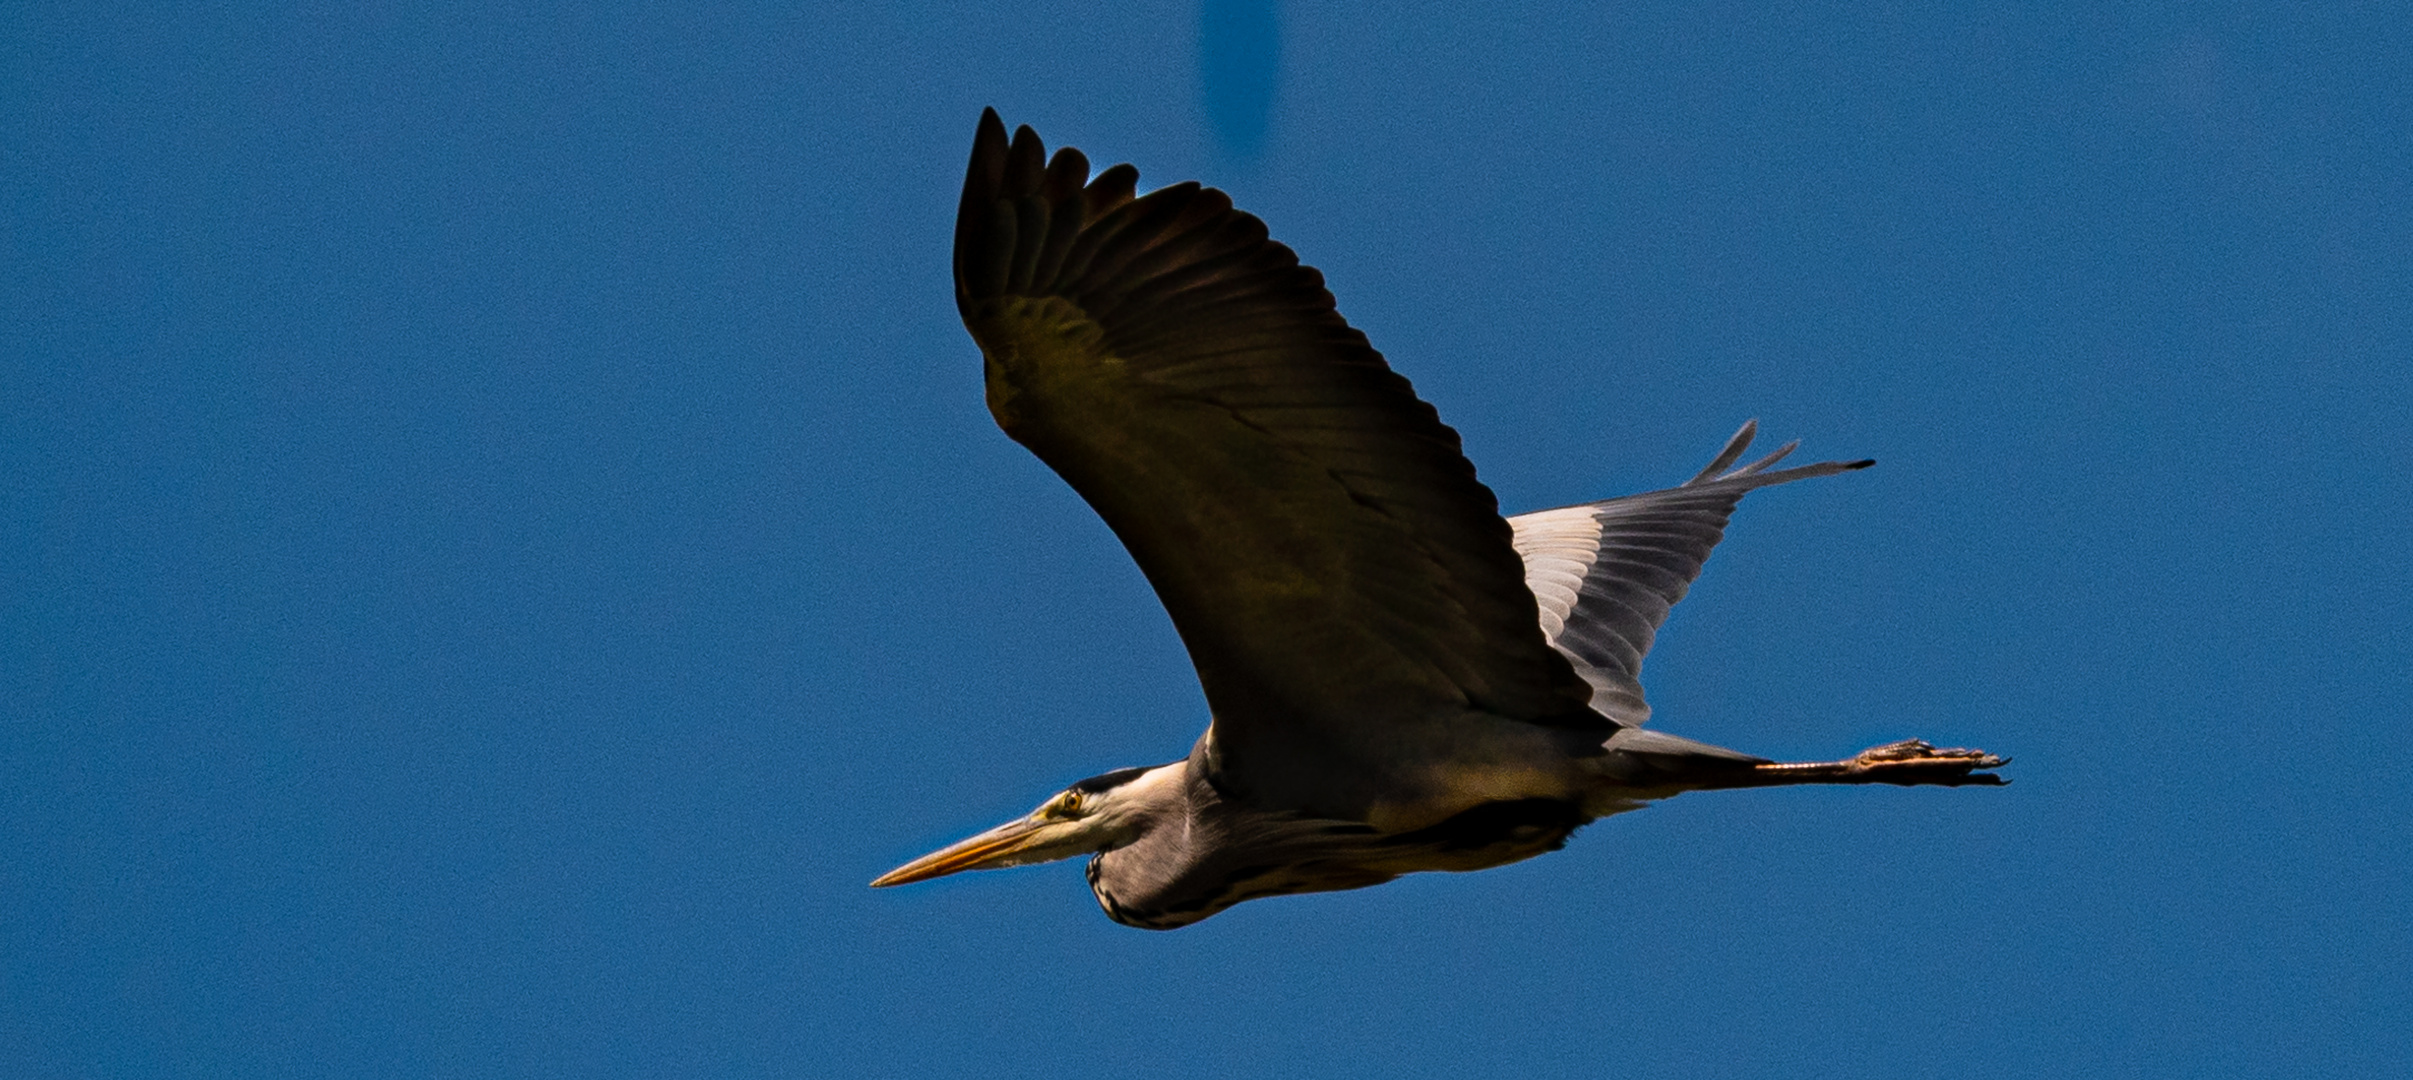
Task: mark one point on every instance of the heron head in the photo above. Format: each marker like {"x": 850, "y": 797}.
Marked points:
{"x": 1098, "y": 814}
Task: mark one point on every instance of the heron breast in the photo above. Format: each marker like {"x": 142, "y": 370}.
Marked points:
{"x": 1322, "y": 856}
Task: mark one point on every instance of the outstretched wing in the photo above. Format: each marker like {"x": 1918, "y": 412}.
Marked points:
{"x": 1606, "y": 573}
{"x": 1344, "y": 584}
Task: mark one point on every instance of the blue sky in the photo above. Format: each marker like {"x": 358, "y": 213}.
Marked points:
{"x": 500, "y": 539}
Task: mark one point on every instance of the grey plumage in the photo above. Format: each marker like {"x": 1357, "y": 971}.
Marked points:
{"x": 1605, "y": 573}
{"x": 1401, "y": 679}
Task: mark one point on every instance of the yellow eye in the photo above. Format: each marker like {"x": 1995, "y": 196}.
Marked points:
{"x": 1069, "y": 803}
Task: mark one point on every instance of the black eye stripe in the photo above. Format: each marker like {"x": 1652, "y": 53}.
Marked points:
{"x": 1106, "y": 781}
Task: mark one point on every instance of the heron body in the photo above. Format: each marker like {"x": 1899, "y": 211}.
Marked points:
{"x": 1400, "y": 678}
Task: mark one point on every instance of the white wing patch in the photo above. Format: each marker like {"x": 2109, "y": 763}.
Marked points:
{"x": 1559, "y": 547}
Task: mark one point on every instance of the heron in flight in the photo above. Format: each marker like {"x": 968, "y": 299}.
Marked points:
{"x": 1399, "y": 678}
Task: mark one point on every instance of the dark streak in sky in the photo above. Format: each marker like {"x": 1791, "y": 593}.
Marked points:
{"x": 1239, "y": 63}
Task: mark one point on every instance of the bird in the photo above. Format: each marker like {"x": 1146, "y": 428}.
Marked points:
{"x": 1399, "y": 679}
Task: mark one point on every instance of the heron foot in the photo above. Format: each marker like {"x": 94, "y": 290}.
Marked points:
{"x": 1911, "y": 761}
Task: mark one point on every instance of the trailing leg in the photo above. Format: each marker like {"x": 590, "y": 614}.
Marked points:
{"x": 1908, "y": 762}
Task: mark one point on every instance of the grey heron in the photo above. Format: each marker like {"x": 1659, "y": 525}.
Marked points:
{"x": 1399, "y": 679}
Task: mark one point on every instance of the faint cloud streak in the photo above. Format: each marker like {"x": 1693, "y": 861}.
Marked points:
{"x": 1239, "y": 64}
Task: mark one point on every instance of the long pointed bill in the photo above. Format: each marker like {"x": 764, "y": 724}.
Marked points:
{"x": 994, "y": 848}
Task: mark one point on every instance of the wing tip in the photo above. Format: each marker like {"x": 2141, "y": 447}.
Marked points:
{"x": 984, "y": 175}
{"x": 989, "y": 145}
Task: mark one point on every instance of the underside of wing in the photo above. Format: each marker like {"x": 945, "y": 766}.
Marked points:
{"x": 1343, "y": 582}
{"x": 1606, "y": 573}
